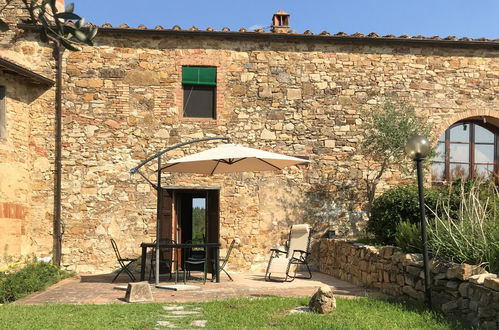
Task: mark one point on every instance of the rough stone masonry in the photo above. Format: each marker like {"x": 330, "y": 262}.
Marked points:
{"x": 297, "y": 95}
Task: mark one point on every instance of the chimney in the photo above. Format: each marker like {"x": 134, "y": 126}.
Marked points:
{"x": 280, "y": 22}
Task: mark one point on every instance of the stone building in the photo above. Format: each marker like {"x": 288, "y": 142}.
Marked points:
{"x": 300, "y": 94}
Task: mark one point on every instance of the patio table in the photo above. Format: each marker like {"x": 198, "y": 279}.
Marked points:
{"x": 206, "y": 246}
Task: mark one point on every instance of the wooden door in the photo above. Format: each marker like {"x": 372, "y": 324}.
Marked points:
{"x": 167, "y": 215}
{"x": 212, "y": 226}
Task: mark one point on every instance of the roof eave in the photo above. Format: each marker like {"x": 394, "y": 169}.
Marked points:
{"x": 487, "y": 44}
{"x": 33, "y": 76}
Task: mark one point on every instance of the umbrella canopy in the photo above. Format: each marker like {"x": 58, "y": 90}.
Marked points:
{"x": 230, "y": 158}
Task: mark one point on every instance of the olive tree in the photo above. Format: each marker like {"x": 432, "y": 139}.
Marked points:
{"x": 61, "y": 27}
{"x": 387, "y": 129}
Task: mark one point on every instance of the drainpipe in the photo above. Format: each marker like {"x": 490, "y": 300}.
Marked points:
{"x": 57, "y": 230}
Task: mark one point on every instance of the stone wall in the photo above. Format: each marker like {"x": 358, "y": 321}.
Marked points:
{"x": 123, "y": 102}
{"x": 26, "y": 170}
{"x": 464, "y": 290}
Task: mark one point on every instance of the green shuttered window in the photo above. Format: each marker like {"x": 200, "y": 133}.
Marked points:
{"x": 199, "y": 84}
{"x": 196, "y": 75}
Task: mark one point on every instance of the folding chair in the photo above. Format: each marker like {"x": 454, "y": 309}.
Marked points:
{"x": 124, "y": 262}
{"x": 225, "y": 260}
{"x": 286, "y": 262}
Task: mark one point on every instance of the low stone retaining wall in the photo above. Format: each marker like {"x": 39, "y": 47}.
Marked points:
{"x": 465, "y": 290}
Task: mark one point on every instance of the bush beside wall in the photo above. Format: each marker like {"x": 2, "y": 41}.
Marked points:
{"x": 34, "y": 277}
{"x": 460, "y": 289}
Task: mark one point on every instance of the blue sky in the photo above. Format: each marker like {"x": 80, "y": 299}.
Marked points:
{"x": 470, "y": 18}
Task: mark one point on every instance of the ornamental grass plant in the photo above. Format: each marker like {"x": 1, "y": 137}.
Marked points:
{"x": 470, "y": 236}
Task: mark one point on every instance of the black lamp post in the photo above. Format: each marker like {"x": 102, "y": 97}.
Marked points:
{"x": 417, "y": 148}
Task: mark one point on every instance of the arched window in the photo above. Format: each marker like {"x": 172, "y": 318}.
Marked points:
{"x": 468, "y": 149}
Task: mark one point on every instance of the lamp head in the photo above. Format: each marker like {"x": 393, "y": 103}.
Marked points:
{"x": 417, "y": 147}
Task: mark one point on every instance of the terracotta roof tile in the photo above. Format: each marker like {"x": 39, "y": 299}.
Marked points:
{"x": 325, "y": 34}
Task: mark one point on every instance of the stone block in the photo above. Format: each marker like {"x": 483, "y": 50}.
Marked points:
{"x": 323, "y": 301}
{"x": 453, "y": 285}
{"x": 450, "y": 306}
{"x": 386, "y": 252}
{"x": 479, "y": 279}
{"x": 138, "y": 292}
{"x": 463, "y": 303}
{"x": 411, "y": 292}
{"x": 463, "y": 289}
{"x": 294, "y": 94}
{"x": 473, "y": 306}
{"x": 492, "y": 283}
{"x": 141, "y": 77}
{"x": 463, "y": 271}
{"x": 413, "y": 259}
{"x": 414, "y": 271}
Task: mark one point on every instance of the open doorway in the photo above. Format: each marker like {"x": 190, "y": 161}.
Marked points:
{"x": 190, "y": 215}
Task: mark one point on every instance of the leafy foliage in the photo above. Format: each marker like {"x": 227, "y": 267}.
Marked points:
{"x": 398, "y": 204}
{"x": 387, "y": 130}
{"x": 408, "y": 237}
{"x": 198, "y": 222}
{"x": 34, "y": 277}
{"x": 64, "y": 28}
{"x": 471, "y": 234}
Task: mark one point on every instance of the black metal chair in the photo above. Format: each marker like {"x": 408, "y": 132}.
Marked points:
{"x": 165, "y": 258}
{"x": 224, "y": 260}
{"x": 124, "y": 263}
{"x": 195, "y": 260}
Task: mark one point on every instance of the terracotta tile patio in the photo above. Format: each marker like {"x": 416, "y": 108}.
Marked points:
{"x": 98, "y": 289}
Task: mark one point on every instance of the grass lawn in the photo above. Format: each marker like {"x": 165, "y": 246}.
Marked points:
{"x": 258, "y": 313}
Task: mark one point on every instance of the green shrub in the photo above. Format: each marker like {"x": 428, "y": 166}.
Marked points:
{"x": 34, "y": 277}
{"x": 408, "y": 237}
{"x": 395, "y": 205}
{"x": 472, "y": 236}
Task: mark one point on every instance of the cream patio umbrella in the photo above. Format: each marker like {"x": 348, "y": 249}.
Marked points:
{"x": 231, "y": 158}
